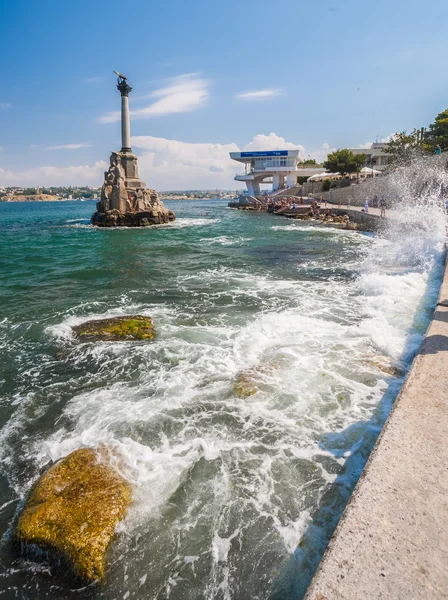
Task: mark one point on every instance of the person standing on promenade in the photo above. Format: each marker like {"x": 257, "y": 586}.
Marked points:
{"x": 383, "y": 206}
{"x": 366, "y": 206}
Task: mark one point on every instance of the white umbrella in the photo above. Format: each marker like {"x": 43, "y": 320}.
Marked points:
{"x": 370, "y": 171}
{"x": 329, "y": 175}
{"x": 315, "y": 177}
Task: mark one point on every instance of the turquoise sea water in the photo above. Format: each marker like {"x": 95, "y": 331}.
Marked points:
{"x": 233, "y": 498}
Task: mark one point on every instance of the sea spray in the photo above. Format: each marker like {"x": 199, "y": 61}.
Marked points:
{"x": 404, "y": 261}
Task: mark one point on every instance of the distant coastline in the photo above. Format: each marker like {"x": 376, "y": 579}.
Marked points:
{"x": 33, "y": 198}
{"x": 66, "y": 194}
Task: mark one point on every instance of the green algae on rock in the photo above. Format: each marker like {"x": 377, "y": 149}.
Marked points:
{"x": 116, "y": 329}
{"x": 71, "y": 514}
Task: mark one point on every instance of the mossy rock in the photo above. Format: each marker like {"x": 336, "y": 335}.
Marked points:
{"x": 70, "y": 516}
{"x": 116, "y": 329}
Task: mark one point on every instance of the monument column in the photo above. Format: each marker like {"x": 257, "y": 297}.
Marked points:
{"x": 125, "y": 89}
{"x": 125, "y": 199}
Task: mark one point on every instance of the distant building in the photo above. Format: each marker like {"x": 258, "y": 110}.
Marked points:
{"x": 281, "y": 167}
{"x": 381, "y": 159}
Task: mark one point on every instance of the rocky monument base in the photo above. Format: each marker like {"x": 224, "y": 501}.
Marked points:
{"x": 115, "y": 218}
{"x": 125, "y": 199}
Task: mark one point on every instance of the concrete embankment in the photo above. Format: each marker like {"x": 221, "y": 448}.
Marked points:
{"x": 392, "y": 540}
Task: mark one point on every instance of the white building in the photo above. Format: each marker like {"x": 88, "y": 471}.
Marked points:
{"x": 281, "y": 167}
{"x": 375, "y": 153}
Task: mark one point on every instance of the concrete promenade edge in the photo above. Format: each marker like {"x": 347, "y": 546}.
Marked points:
{"x": 392, "y": 540}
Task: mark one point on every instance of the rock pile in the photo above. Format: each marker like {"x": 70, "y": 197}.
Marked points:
{"x": 125, "y": 201}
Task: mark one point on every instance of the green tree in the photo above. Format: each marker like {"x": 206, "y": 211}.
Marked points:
{"x": 403, "y": 147}
{"x": 437, "y": 133}
{"x": 326, "y": 184}
{"x": 359, "y": 161}
{"x": 309, "y": 162}
{"x": 342, "y": 161}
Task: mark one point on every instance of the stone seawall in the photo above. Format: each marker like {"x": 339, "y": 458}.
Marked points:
{"x": 366, "y": 221}
{"x": 392, "y": 540}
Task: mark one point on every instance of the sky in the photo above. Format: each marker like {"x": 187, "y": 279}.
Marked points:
{"x": 209, "y": 78}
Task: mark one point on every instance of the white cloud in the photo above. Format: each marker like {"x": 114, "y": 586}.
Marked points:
{"x": 48, "y": 176}
{"x": 170, "y": 164}
{"x": 5, "y": 105}
{"x": 167, "y": 164}
{"x": 94, "y": 79}
{"x": 1, "y": 148}
{"x": 321, "y": 153}
{"x": 266, "y": 94}
{"x": 183, "y": 93}
{"x": 110, "y": 117}
{"x": 271, "y": 142}
{"x": 69, "y": 146}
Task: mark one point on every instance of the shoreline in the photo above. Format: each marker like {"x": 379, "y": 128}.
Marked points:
{"x": 47, "y": 199}
{"x": 392, "y": 539}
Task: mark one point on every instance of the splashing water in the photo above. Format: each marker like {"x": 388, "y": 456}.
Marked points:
{"x": 325, "y": 321}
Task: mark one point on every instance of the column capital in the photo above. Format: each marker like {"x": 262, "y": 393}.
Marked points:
{"x": 124, "y": 88}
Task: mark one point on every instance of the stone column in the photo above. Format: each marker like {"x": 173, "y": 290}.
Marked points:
{"x": 125, "y": 89}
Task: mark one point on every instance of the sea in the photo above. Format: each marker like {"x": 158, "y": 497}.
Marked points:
{"x": 234, "y": 498}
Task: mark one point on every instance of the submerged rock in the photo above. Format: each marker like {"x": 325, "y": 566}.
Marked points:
{"x": 384, "y": 364}
{"x": 244, "y": 385}
{"x": 247, "y": 382}
{"x": 132, "y": 327}
{"x": 70, "y": 516}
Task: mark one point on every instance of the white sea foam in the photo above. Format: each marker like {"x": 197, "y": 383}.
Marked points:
{"x": 180, "y": 223}
{"x": 312, "y": 348}
{"x": 225, "y": 240}
{"x": 79, "y": 225}
{"x": 314, "y": 228}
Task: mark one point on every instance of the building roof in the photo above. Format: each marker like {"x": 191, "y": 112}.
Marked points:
{"x": 248, "y": 156}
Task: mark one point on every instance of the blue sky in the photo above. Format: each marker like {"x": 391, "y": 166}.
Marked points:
{"x": 331, "y": 73}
